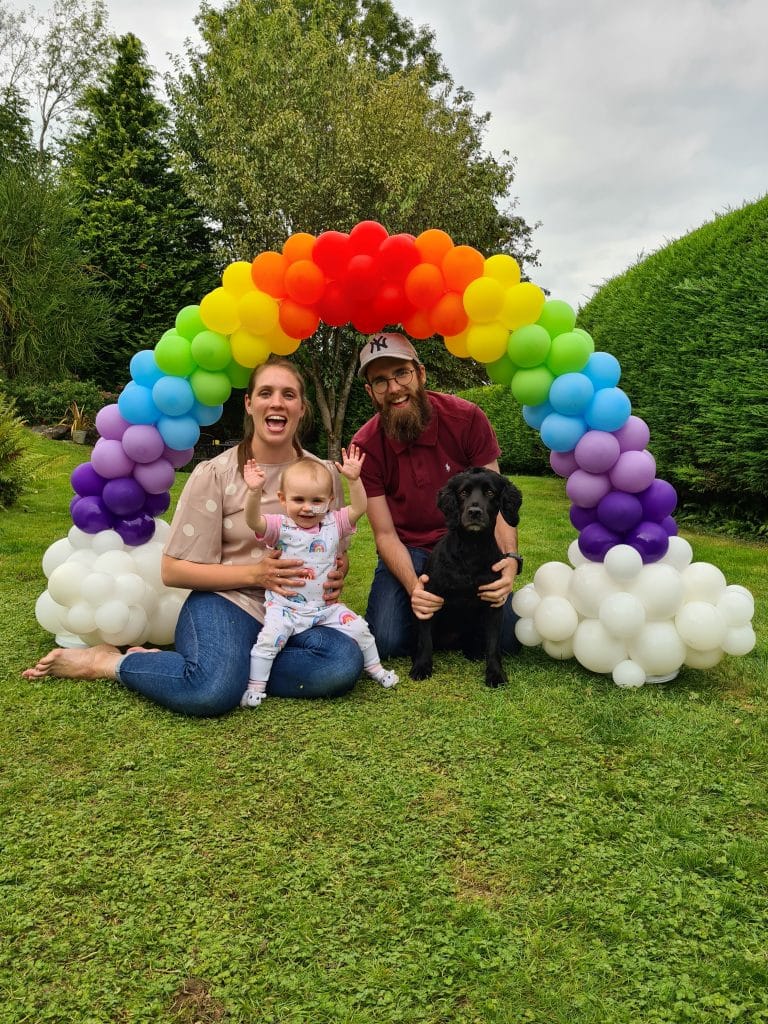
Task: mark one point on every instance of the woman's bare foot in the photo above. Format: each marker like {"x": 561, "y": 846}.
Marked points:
{"x": 77, "y": 663}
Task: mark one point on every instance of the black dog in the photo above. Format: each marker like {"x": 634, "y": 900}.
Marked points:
{"x": 461, "y": 562}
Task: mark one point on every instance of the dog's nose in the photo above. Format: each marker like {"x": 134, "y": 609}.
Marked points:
{"x": 474, "y": 512}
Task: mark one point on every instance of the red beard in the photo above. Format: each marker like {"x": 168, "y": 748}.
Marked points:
{"x": 406, "y": 424}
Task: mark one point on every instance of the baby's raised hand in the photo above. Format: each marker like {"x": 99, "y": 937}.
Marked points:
{"x": 253, "y": 475}
{"x": 352, "y": 462}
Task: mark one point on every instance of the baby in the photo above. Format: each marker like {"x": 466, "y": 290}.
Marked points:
{"x": 309, "y": 531}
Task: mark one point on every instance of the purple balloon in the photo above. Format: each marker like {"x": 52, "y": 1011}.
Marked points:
{"x": 596, "y": 541}
{"x": 136, "y": 530}
{"x": 143, "y": 443}
{"x": 670, "y": 526}
{"x": 91, "y": 515}
{"x": 73, "y": 502}
{"x": 633, "y": 472}
{"x": 597, "y": 451}
{"x": 110, "y": 423}
{"x": 178, "y": 458}
{"x": 86, "y": 481}
{"x": 124, "y": 496}
{"x": 650, "y": 539}
{"x": 659, "y": 500}
{"x": 619, "y": 511}
{"x": 110, "y": 460}
{"x": 634, "y": 435}
{"x": 581, "y": 517}
{"x": 563, "y": 463}
{"x": 155, "y": 477}
{"x": 156, "y": 504}
{"x": 586, "y": 489}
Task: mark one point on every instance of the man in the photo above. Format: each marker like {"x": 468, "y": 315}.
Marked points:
{"x": 417, "y": 440}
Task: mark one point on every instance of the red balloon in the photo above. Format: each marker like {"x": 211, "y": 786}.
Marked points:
{"x": 366, "y": 320}
{"x": 304, "y": 282}
{"x": 334, "y": 307}
{"x": 331, "y": 252}
{"x": 397, "y": 256}
{"x": 361, "y": 280}
{"x": 391, "y": 304}
{"x": 366, "y": 237}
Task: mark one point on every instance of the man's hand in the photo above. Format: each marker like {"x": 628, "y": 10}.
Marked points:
{"x": 497, "y": 592}
{"x": 423, "y": 603}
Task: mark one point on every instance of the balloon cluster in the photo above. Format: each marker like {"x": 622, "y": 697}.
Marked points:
{"x": 640, "y": 622}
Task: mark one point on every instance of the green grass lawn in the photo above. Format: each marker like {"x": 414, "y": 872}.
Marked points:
{"x": 557, "y": 851}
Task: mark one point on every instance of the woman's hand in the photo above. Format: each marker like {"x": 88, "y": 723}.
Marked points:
{"x": 334, "y": 583}
{"x": 281, "y": 575}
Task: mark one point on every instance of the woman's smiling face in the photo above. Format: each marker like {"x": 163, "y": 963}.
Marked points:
{"x": 276, "y": 406}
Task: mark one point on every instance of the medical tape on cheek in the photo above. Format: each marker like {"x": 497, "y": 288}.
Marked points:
{"x": 319, "y": 510}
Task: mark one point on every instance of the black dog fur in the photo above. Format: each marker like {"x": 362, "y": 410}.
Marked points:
{"x": 461, "y": 562}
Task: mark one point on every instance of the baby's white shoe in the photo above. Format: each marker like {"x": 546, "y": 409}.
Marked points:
{"x": 252, "y": 699}
{"x": 388, "y": 680}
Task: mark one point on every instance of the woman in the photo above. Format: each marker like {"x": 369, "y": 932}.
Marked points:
{"x": 211, "y": 552}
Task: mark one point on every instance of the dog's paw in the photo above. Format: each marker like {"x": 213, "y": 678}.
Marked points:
{"x": 495, "y": 679}
{"x": 421, "y": 670}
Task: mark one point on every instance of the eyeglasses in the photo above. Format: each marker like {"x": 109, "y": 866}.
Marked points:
{"x": 401, "y": 377}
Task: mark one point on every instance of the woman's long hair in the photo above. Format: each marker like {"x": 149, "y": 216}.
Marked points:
{"x": 305, "y": 423}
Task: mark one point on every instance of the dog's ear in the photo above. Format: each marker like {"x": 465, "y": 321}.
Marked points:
{"x": 448, "y": 503}
{"x": 511, "y": 500}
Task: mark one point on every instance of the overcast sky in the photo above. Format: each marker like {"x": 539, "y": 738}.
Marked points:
{"x": 632, "y": 123}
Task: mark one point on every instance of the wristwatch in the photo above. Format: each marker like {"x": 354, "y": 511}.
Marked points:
{"x": 517, "y": 558}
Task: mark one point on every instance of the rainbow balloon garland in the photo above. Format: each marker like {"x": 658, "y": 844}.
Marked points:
{"x": 631, "y": 602}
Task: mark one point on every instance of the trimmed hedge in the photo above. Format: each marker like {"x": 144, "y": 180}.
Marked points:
{"x": 521, "y": 447}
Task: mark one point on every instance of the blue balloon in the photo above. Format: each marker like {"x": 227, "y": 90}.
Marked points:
{"x": 207, "y": 414}
{"x": 562, "y": 433}
{"x": 173, "y": 396}
{"x": 603, "y": 369}
{"x": 608, "y": 410}
{"x": 571, "y": 393}
{"x": 534, "y": 415}
{"x": 179, "y": 432}
{"x": 135, "y": 404}
{"x": 144, "y": 369}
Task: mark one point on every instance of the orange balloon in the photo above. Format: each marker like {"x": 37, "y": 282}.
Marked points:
{"x": 461, "y": 266}
{"x": 433, "y": 244}
{"x": 417, "y": 325}
{"x": 299, "y": 246}
{"x": 448, "y": 316}
{"x": 297, "y": 321}
{"x": 268, "y": 273}
{"x": 424, "y": 285}
{"x": 304, "y": 282}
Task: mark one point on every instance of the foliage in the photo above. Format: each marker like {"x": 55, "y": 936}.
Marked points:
{"x": 53, "y": 402}
{"x": 18, "y": 459}
{"x": 15, "y": 128}
{"x": 556, "y": 852}
{"x": 521, "y": 447}
{"x": 688, "y": 326}
{"x": 285, "y": 123}
{"x": 144, "y": 240}
{"x": 51, "y": 315}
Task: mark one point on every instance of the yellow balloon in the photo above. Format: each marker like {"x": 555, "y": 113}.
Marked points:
{"x": 483, "y": 299}
{"x": 248, "y": 350}
{"x": 258, "y": 312}
{"x": 523, "y": 304}
{"x": 457, "y": 345}
{"x": 281, "y": 343}
{"x": 503, "y": 268}
{"x": 218, "y": 311}
{"x": 487, "y": 342}
{"x": 237, "y": 278}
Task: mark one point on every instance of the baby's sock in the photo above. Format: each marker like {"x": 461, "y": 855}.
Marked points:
{"x": 383, "y": 677}
{"x": 255, "y": 694}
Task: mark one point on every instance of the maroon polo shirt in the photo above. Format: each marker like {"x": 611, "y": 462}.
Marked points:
{"x": 410, "y": 475}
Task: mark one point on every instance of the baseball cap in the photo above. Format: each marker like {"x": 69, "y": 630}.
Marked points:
{"x": 391, "y": 346}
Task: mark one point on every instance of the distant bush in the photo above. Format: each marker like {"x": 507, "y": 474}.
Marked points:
{"x": 688, "y": 325}
{"x": 521, "y": 447}
{"x": 48, "y": 403}
{"x": 18, "y": 462}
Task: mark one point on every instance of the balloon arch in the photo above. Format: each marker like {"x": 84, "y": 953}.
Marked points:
{"x": 630, "y": 601}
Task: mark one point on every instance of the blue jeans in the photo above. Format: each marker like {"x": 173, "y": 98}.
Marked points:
{"x": 391, "y": 619}
{"x": 207, "y": 673}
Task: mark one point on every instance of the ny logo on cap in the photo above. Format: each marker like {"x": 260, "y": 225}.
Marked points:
{"x": 378, "y": 343}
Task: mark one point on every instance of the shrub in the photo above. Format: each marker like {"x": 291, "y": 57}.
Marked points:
{"x": 50, "y": 403}
{"x": 521, "y": 447}
{"x": 18, "y": 461}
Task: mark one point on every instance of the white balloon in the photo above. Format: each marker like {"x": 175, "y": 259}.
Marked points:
{"x": 49, "y": 613}
{"x": 83, "y": 556}
{"x": 739, "y": 640}
{"x": 56, "y": 554}
{"x": 658, "y": 648}
{"x": 64, "y": 582}
{"x": 552, "y": 578}
{"x": 590, "y": 585}
{"x": 107, "y": 540}
{"x": 628, "y": 675}
{"x": 703, "y": 659}
{"x": 622, "y": 614}
{"x": 526, "y": 633}
{"x": 701, "y": 625}
{"x": 78, "y": 538}
{"x": 115, "y": 562}
{"x": 81, "y": 618}
{"x": 112, "y": 616}
{"x": 97, "y": 587}
{"x": 595, "y": 648}
{"x": 146, "y": 559}
{"x": 133, "y": 633}
{"x": 679, "y": 553}
{"x": 525, "y": 601}
{"x": 555, "y": 618}
{"x": 660, "y": 589}
{"x": 575, "y": 557}
{"x": 736, "y": 605}
{"x": 560, "y": 650}
{"x": 623, "y": 563}
{"x": 162, "y": 530}
{"x": 703, "y": 581}
{"x": 163, "y": 624}
{"x": 131, "y": 588}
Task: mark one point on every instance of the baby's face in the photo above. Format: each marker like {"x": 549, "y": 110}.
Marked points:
{"x": 305, "y": 499}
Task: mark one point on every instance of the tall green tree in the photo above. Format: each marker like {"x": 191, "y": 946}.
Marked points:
{"x": 144, "y": 240}
{"x": 287, "y": 120}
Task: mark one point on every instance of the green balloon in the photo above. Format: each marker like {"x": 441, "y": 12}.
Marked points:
{"x": 531, "y": 387}
{"x": 211, "y": 350}
{"x": 570, "y": 352}
{"x": 557, "y": 317}
{"x": 238, "y": 375}
{"x": 188, "y": 322}
{"x": 173, "y": 355}
{"x": 210, "y": 388}
{"x": 528, "y": 346}
{"x": 502, "y": 371}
